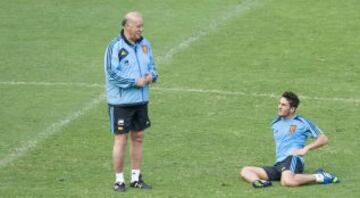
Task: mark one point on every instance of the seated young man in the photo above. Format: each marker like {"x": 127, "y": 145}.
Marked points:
{"x": 290, "y": 133}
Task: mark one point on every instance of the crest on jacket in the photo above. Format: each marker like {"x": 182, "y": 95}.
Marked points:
{"x": 292, "y": 128}
{"x": 144, "y": 49}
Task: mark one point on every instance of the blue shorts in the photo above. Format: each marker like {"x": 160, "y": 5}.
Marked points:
{"x": 291, "y": 163}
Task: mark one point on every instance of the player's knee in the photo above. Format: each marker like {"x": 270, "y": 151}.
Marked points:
{"x": 120, "y": 139}
{"x": 244, "y": 171}
{"x": 138, "y": 140}
{"x": 288, "y": 182}
{"x": 137, "y": 137}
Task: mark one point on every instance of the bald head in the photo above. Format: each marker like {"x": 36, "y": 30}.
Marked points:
{"x": 131, "y": 17}
{"x": 133, "y": 26}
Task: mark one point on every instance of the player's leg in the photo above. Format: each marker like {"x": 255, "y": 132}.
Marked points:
{"x": 118, "y": 161}
{"x": 140, "y": 123}
{"x": 136, "y": 149}
{"x": 119, "y": 148}
{"x": 118, "y": 120}
{"x": 256, "y": 175}
{"x": 252, "y": 173}
{"x": 292, "y": 172}
{"x": 290, "y": 179}
{"x": 136, "y": 159}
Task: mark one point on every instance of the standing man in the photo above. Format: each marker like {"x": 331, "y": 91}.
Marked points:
{"x": 290, "y": 132}
{"x": 129, "y": 70}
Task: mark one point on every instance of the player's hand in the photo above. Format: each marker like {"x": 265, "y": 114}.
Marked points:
{"x": 141, "y": 82}
{"x": 148, "y": 78}
{"x": 300, "y": 152}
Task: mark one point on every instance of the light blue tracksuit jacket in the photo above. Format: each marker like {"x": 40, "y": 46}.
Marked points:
{"x": 124, "y": 63}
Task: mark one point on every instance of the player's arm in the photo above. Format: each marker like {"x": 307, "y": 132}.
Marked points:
{"x": 152, "y": 75}
{"x": 315, "y": 132}
{"x": 320, "y": 141}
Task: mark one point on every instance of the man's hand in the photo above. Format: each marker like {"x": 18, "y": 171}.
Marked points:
{"x": 141, "y": 82}
{"x": 148, "y": 78}
{"x": 300, "y": 152}
{"x": 320, "y": 141}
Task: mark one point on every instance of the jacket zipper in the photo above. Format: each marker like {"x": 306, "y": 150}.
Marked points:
{"x": 138, "y": 63}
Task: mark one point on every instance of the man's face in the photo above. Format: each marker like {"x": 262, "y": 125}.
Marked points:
{"x": 284, "y": 108}
{"x": 134, "y": 28}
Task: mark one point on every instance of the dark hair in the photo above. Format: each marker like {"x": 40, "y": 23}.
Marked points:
{"x": 292, "y": 98}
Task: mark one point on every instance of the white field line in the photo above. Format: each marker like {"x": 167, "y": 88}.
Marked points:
{"x": 234, "y": 11}
{"x": 21, "y": 150}
{"x": 52, "y": 84}
{"x": 189, "y": 90}
{"x": 267, "y": 95}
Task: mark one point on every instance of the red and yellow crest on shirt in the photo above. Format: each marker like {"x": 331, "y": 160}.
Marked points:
{"x": 144, "y": 49}
{"x": 292, "y": 128}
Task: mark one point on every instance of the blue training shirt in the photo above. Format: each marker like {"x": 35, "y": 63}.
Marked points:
{"x": 292, "y": 133}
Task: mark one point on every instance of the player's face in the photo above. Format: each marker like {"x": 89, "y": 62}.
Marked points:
{"x": 134, "y": 28}
{"x": 284, "y": 109}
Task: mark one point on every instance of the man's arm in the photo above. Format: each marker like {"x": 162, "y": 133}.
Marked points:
{"x": 152, "y": 75}
{"x": 320, "y": 141}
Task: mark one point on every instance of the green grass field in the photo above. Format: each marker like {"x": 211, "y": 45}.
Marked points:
{"x": 222, "y": 65}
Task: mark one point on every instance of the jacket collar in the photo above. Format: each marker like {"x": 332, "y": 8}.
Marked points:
{"x": 127, "y": 41}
